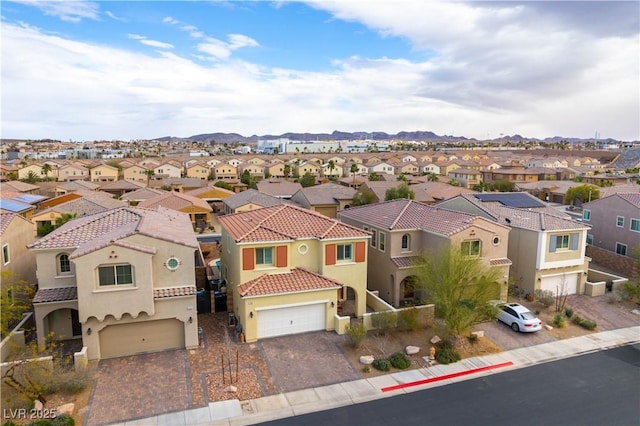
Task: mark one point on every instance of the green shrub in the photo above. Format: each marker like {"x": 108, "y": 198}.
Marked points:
{"x": 400, "y": 361}
{"x": 445, "y": 354}
{"x": 577, "y": 319}
{"x": 63, "y": 420}
{"x": 584, "y": 323}
{"x": 408, "y": 319}
{"x": 366, "y": 369}
{"x": 568, "y": 312}
{"x": 355, "y": 334}
{"x": 384, "y": 322}
{"x": 473, "y": 339}
{"x": 559, "y": 320}
{"x": 382, "y": 364}
{"x": 545, "y": 297}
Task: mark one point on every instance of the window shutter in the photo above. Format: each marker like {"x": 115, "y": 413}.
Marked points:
{"x": 360, "y": 251}
{"x": 330, "y": 254}
{"x": 248, "y": 259}
{"x": 281, "y": 256}
{"x": 574, "y": 241}
{"x": 552, "y": 243}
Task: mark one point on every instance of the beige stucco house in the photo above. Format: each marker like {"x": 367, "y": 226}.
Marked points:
{"x": 405, "y": 229}
{"x": 135, "y": 173}
{"x": 286, "y": 270}
{"x": 15, "y": 234}
{"x": 546, "y": 247}
{"x": 104, "y": 173}
{"x": 123, "y": 281}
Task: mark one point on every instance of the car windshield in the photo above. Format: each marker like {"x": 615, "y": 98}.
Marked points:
{"x": 528, "y": 315}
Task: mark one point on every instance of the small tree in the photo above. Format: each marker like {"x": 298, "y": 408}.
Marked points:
{"x": 307, "y": 180}
{"x": 46, "y": 169}
{"x": 504, "y": 186}
{"x": 433, "y": 177}
{"x": 459, "y": 285}
{"x": 64, "y": 218}
{"x": 224, "y": 185}
{"x": 582, "y": 193}
{"x": 401, "y": 191}
{"x": 362, "y": 198}
{"x": 374, "y": 177}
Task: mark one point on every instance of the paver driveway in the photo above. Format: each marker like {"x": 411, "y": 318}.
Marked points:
{"x": 307, "y": 360}
{"x": 139, "y": 386}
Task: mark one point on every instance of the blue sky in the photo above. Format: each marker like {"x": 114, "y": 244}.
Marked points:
{"x": 85, "y": 70}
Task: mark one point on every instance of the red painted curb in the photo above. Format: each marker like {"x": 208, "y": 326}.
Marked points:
{"x": 447, "y": 376}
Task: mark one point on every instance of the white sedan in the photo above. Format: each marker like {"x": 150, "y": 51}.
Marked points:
{"x": 518, "y": 317}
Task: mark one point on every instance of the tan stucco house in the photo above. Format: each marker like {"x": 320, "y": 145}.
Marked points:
{"x": 123, "y": 281}
{"x": 546, "y": 247}
{"x": 405, "y": 229}
{"x": 286, "y": 270}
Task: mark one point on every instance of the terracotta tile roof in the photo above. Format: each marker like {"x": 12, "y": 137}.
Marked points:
{"x": 5, "y": 220}
{"x": 93, "y": 232}
{"x": 298, "y": 279}
{"x": 405, "y": 261}
{"x": 500, "y": 261}
{"x": 278, "y": 188}
{"x": 19, "y": 186}
{"x": 410, "y": 214}
{"x": 165, "y": 292}
{"x": 286, "y": 222}
{"x": 122, "y": 185}
{"x": 142, "y": 194}
{"x": 58, "y": 294}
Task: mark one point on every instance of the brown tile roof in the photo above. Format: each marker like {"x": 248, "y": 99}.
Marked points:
{"x": 165, "y": 292}
{"x": 500, "y": 261}
{"x": 632, "y": 198}
{"x": 328, "y": 193}
{"x": 279, "y": 188}
{"x": 93, "y": 232}
{"x": 405, "y": 261}
{"x": 175, "y": 201}
{"x": 298, "y": 279}
{"x": 410, "y": 214}
{"x": 58, "y": 294}
{"x": 286, "y": 222}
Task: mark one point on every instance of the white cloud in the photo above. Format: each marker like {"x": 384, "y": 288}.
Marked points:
{"x": 113, "y": 16}
{"x": 489, "y": 68}
{"x": 147, "y": 42}
{"x": 70, "y": 11}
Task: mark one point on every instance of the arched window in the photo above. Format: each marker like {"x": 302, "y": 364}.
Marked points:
{"x": 64, "y": 265}
{"x": 406, "y": 242}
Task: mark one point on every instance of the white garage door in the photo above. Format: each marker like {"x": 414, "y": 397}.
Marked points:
{"x": 149, "y": 336}
{"x": 291, "y": 320}
{"x": 565, "y": 284}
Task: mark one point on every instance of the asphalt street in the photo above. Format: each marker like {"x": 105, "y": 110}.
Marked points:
{"x": 601, "y": 388}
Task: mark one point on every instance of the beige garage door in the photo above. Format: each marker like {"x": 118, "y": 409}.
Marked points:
{"x": 137, "y": 337}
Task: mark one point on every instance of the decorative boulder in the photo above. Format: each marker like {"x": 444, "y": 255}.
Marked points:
{"x": 435, "y": 339}
{"x": 412, "y": 350}
{"x": 478, "y": 334}
{"x": 231, "y": 388}
{"x": 66, "y": 409}
{"x": 366, "y": 359}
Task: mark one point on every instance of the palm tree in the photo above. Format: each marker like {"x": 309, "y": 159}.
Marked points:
{"x": 331, "y": 166}
{"x": 433, "y": 177}
{"x": 46, "y": 169}
{"x": 354, "y": 169}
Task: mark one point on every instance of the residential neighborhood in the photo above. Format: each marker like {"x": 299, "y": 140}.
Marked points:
{"x": 158, "y": 255}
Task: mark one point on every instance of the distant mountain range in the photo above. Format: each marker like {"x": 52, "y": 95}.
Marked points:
{"x": 380, "y": 136}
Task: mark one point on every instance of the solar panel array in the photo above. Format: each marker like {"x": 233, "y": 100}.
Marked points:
{"x": 521, "y": 200}
{"x": 13, "y": 206}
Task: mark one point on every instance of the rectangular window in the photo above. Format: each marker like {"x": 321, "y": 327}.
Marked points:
{"x": 115, "y": 275}
{"x": 621, "y": 249}
{"x": 381, "y": 241}
{"x": 586, "y": 215}
{"x": 589, "y": 239}
{"x": 620, "y": 221}
{"x": 5, "y": 254}
{"x": 635, "y": 225}
{"x": 264, "y": 256}
{"x": 344, "y": 252}
{"x": 562, "y": 242}
{"x": 471, "y": 248}
{"x": 374, "y": 237}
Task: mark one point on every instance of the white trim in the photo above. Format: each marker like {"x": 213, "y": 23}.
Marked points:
{"x": 292, "y": 305}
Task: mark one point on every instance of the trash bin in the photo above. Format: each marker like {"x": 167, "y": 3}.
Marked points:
{"x": 203, "y": 301}
{"x": 220, "y": 301}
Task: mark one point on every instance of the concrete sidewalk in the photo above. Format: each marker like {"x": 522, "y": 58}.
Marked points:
{"x": 234, "y": 412}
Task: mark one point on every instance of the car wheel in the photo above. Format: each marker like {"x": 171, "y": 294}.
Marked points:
{"x": 515, "y": 327}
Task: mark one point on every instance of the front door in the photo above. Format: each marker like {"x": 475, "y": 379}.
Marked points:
{"x": 76, "y": 327}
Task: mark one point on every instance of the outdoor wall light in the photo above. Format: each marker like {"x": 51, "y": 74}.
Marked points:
{"x": 190, "y": 320}
{"x": 88, "y": 331}
{"x": 250, "y": 314}
{"x": 333, "y": 304}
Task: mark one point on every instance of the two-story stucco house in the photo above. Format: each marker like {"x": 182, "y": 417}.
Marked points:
{"x": 546, "y": 247}
{"x": 123, "y": 281}
{"x": 615, "y": 222}
{"x": 405, "y": 229}
{"x": 286, "y": 269}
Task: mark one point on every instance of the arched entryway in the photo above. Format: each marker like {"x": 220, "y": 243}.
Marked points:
{"x": 408, "y": 290}
{"x": 62, "y": 324}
